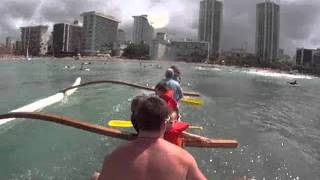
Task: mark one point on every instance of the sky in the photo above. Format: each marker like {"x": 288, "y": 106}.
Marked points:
{"x": 299, "y": 23}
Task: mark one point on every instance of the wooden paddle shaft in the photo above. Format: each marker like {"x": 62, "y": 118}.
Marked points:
{"x": 67, "y": 121}
{"x": 194, "y": 94}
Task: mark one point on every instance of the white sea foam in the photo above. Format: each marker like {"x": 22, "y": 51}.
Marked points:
{"x": 42, "y": 103}
{"x": 201, "y": 68}
{"x": 277, "y": 74}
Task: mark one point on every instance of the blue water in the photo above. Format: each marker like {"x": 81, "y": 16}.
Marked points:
{"x": 277, "y": 125}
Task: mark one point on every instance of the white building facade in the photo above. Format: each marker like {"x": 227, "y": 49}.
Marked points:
{"x": 34, "y": 39}
{"x": 143, "y": 31}
{"x": 99, "y": 33}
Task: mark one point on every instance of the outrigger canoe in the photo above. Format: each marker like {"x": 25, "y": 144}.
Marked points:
{"x": 202, "y": 142}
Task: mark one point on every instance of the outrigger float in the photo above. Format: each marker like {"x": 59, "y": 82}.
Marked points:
{"x": 202, "y": 142}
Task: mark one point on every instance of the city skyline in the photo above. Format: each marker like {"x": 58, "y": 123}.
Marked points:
{"x": 299, "y": 27}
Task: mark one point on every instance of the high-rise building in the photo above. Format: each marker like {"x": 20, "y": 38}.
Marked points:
{"x": 210, "y": 24}
{"x": 18, "y": 48}
{"x": 9, "y": 45}
{"x": 142, "y": 30}
{"x": 99, "y": 32}
{"x": 8, "y": 42}
{"x": 66, "y": 38}
{"x": 34, "y": 39}
{"x": 121, "y": 36}
{"x": 267, "y": 31}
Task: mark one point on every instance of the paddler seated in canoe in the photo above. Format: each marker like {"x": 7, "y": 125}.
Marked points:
{"x": 150, "y": 156}
{"x": 176, "y": 131}
{"x": 164, "y": 92}
{"x": 174, "y": 85}
{"x": 177, "y": 74}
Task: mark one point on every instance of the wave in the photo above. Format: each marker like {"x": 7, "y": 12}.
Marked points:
{"x": 269, "y": 73}
{"x": 201, "y": 68}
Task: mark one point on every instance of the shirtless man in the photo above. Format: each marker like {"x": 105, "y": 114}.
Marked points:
{"x": 150, "y": 156}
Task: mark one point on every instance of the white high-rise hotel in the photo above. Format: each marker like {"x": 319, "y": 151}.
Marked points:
{"x": 99, "y": 32}
{"x": 267, "y": 31}
{"x": 142, "y": 30}
{"x": 210, "y": 24}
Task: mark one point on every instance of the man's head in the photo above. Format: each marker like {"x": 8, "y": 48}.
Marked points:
{"x": 136, "y": 102}
{"x": 161, "y": 88}
{"x": 152, "y": 114}
{"x": 169, "y": 73}
{"x": 176, "y": 71}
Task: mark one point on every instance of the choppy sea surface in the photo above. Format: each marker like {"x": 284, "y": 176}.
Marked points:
{"x": 276, "y": 124}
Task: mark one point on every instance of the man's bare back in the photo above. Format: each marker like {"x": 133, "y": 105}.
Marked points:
{"x": 150, "y": 158}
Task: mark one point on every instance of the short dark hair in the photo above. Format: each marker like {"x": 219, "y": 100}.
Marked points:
{"x": 162, "y": 86}
{"x": 152, "y": 114}
{"x": 169, "y": 73}
{"x": 135, "y": 104}
{"x": 176, "y": 70}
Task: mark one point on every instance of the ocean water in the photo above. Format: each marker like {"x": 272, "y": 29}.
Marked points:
{"x": 277, "y": 125}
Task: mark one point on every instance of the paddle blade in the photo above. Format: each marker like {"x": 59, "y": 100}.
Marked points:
{"x": 192, "y": 101}
{"x": 120, "y": 123}
{"x": 196, "y": 127}
{"x": 128, "y": 124}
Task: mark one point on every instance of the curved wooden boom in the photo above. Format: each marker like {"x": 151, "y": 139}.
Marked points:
{"x": 67, "y": 121}
{"x": 124, "y": 83}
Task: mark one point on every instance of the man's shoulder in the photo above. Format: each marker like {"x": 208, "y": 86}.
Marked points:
{"x": 178, "y": 151}
{"x": 173, "y": 82}
{"x": 120, "y": 150}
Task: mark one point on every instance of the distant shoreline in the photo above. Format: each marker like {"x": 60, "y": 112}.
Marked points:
{"x": 121, "y": 59}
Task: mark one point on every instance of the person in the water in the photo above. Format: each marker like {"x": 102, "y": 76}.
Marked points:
{"x": 173, "y": 84}
{"x": 150, "y": 156}
{"x": 294, "y": 82}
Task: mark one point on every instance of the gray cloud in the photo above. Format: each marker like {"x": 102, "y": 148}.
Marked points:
{"x": 298, "y": 18}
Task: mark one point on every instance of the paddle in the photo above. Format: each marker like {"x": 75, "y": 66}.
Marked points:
{"x": 192, "y": 101}
{"x": 128, "y": 124}
{"x": 71, "y": 122}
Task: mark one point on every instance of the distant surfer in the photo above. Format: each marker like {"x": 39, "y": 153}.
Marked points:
{"x": 293, "y": 83}
{"x": 81, "y": 68}
{"x": 150, "y": 156}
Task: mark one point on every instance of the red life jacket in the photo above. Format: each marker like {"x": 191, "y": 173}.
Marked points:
{"x": 169, "y": 98}
{"x": 174, "y": 133}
